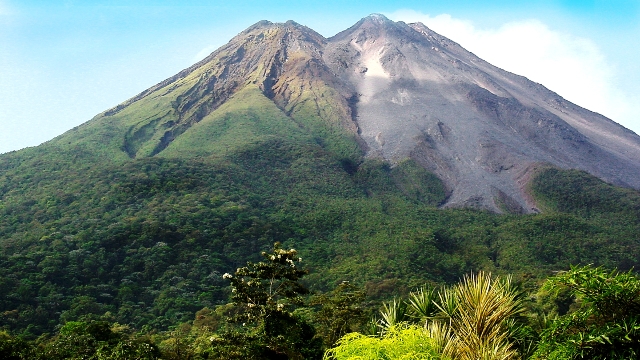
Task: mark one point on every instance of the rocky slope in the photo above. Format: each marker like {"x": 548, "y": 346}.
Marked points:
{"x": 479, "y": 128}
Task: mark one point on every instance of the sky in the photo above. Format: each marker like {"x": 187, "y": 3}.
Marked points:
{"x": 64, "y": 61}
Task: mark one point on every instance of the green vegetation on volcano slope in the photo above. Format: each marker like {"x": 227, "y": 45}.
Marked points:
{"x": 145, "y": 241}
{"x": 584, "y": 313}
{"x": 576, "y": 192}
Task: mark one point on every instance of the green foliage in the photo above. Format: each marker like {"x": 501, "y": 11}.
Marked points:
{"x": 96, "y": 340}
{"x": 479, "y": 323}
{"x": 148, "y": 241}
{"x": 13, "y": 348}
{"x": 481, "y": 317}
{"x": 267, "y": 293}
{"x": 341, "y": 311}
{"x": 418, "y": 184}
{"x": 577, "y": 192}
{"x": 606, "y": 324}
{"x": 238, "y": 346}
{"x": 400, "y": 342}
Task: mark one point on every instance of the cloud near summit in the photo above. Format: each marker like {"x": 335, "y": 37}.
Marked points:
{"x": 571, "y": 66}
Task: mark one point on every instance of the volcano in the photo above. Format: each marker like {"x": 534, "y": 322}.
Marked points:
{"x": 392, "y": 90}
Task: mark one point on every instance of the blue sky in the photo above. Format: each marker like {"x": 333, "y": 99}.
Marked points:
{"x": 62, "y": 62}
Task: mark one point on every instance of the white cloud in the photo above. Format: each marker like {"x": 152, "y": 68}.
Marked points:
{"x": 573, "y": 67}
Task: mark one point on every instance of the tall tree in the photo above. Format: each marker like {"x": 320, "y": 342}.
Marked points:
{"x": 266, "y": 294}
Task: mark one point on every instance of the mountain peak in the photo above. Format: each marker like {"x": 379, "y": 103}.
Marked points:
{"x": 373, "y": 27}
{"x": 379, "y": 18}
{"x": 259, "y": 25}
{"x": 378, "y": 21}
{"x": 265, "y": 24}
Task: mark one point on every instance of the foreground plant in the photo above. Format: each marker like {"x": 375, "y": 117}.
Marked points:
{"x": 422, "y": 304}
{"x": 393, "y": 314}
{"x": 398, "y": 342}
{"x": 479, "y": 322}
{"x": 468, "y": 321}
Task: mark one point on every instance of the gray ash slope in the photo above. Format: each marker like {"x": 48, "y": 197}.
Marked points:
{"x": 479, "y": 128}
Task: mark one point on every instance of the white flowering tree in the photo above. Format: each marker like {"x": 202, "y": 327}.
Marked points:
{"x": 270, "y": 286}
{"x": 266, "y": 293}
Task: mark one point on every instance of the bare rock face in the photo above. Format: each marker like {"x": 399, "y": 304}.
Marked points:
{"x": 402, "y": 91}
{"x": 479, "y": 128}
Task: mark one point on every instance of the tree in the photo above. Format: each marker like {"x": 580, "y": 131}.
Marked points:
{"x": 267, "y": 293}
{"x": 97, "y": 340}
{"x": 341, "y": 312}
{"x": 606, "y": 324}
{"x": 12, "y": 348}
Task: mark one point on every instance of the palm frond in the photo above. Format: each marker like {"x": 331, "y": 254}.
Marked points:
{"x": 484, "y": 306}
{"x": 393, "y": 313}
{"x": 422, "y": 303}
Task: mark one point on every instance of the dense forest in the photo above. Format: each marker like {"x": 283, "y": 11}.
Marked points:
{"x": 583, "y": 313}
{"x": 147, "y": 242}
{"x": 98, "y": 252}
